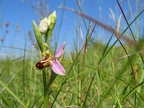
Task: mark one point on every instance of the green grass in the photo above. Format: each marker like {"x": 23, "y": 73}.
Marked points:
{"x": 103, "y": 81}
{"x": 99, "y": 75}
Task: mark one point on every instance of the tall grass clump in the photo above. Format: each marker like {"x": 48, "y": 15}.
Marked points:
{"x": 95, "y": 74}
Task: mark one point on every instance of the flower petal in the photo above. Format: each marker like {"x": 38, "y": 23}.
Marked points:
{"x": 57, "y": 67}
{"x": 60, "y": 51}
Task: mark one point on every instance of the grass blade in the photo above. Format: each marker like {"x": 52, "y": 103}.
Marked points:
{"x": 12, "y": 93}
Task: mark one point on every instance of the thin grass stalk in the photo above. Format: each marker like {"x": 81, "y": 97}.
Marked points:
{"x": 140, "y": 84}
{"x": 134, "y": 74}
{"x": 79, "y": 83}
{"x": 83, "y": 61}
{"x": 90, "y": 83}
{"x": 123, "y": 97}
{"x": 129, "y": 41}
{"x": 80, "y": 80}
{"x": 82, "y": 16}
{"x": 124, "y": 31}
{"x": 84, "y": 98}
{"x": 88, "y": 87}
{"x": 132, "y": 36}
{"x": 126, "y": 54}
{"x": 24, "y": 69}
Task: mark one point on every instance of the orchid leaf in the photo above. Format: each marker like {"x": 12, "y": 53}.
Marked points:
{"x": 38, "y": 36}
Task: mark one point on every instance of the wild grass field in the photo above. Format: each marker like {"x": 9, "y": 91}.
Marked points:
{"x": 98, "y": 74}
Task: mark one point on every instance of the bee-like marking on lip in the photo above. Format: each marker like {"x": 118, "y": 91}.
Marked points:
{"x": 43, "y": 63}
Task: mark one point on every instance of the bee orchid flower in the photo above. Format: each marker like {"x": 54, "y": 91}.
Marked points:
{"x": 51, "y": 60}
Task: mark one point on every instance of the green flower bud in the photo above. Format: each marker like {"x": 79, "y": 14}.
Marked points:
{"x": 52, "y": 18}
{"x": 44, "y": 24}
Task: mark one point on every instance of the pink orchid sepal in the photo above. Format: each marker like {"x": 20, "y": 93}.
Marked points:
{"x": 50, "y": 60}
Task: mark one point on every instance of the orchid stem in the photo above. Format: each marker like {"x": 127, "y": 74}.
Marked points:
{"x": 47, "y": 87}
{"x": 46, "y": 100}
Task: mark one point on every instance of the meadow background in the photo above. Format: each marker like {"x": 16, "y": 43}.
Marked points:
{"x": 102, "y": 71}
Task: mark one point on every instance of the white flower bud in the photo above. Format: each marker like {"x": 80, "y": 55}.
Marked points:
{"x": 43, "y": 26}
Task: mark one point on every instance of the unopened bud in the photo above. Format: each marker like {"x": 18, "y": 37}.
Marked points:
{"x": 43, "y": 26}
{"x": 52, "y": 17}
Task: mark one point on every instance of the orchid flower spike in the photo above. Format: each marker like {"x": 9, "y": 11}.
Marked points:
{"x": 51, "y": 60}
